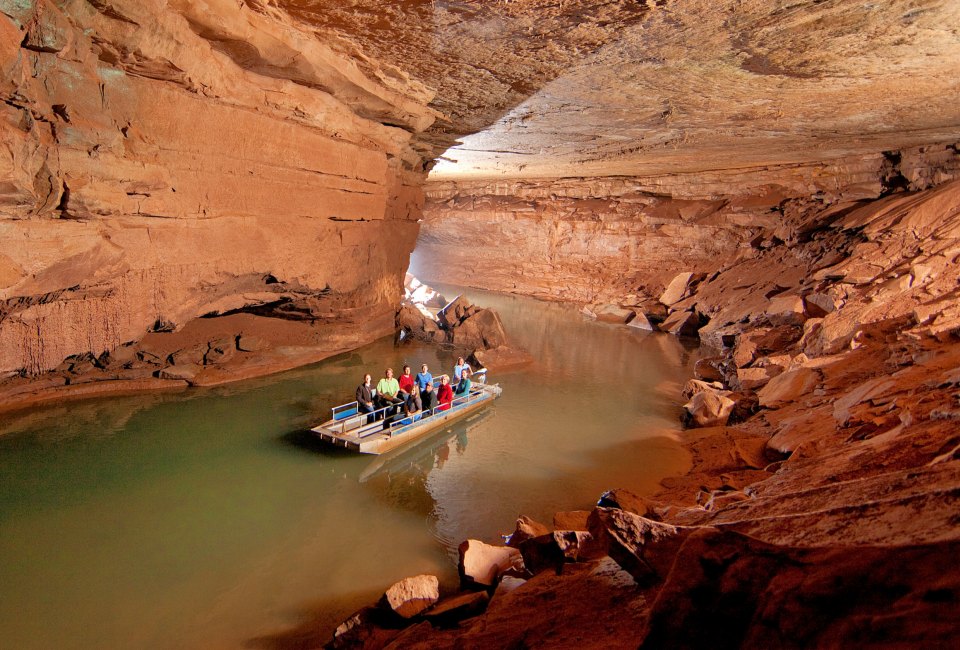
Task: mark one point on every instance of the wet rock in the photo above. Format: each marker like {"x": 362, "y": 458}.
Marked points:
{"x": 412, "y": 595}
{"x": 527, "y": 528}
{"x": 640, "y": 321}
{"x": 676, "y": 289}
{"x": 613, "y": 314}
{"x": 681, "y": 323}
{"x": 251, "y": 343}
{"x": 708, "y": 409}
{"x": 551, "y": 550}
{"x": 184, "y": 372}
{"x": 500, "y": 358}
{"x": 482, "y": 564}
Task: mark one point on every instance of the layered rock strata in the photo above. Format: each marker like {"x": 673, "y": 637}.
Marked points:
{"x": 165, "y": 161}
{"x": 593, "y": 240}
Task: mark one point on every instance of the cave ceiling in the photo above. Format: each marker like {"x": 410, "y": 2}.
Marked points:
{"x": 557, "y": 88}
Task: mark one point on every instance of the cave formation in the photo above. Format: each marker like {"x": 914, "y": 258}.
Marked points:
{"x": 188, "y": 186}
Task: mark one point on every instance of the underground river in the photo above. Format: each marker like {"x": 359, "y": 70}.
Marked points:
{"x": 207, "y": 519}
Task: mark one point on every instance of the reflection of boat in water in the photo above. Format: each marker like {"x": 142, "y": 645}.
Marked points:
{"x": 433, "y": 447}
{"x": 363, "y": 433}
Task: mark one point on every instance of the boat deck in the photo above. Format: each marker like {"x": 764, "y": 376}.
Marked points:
{"x": 352, "y": 431}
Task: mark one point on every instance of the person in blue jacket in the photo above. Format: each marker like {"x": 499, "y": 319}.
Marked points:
{"x": 423, "y": 377}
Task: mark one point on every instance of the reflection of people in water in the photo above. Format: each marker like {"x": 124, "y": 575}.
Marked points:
{"x": 443, "y": 454}
{"x": 461, "y": 442}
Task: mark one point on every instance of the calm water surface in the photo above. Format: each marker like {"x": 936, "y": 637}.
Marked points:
{"x": 206, "y": 519}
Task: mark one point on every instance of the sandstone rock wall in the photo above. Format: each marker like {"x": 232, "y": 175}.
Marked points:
{"x": 167, "y": 160}
{"x": 597, "y": 239}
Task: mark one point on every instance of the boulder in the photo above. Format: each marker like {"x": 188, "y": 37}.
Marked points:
{"x": 526, "y": 529}
{"x": 786, "y": 310}
{"x": 412, "y": 595}
{"x": 482, "y": 564}
{"x": 507, "y": 584}
{"x": 481, "y": 329}
{"x": 788, "y": 387}
{"x": 220, "y": 352}
{"x": 681, "y": 323}
{"x": 553, "y": 550}
{"x": 453, "y": 610}
{"x": 627, "y": 500}
{"x": 819, "y": 305}
{"x": 571, "y": 520}
{"x": 676, "y": 289}
{"x": 613, "y": 314}
{"x": 753, "y": 378}
{"x": 708, "y": 409}
{"x": 707, "y": 369}
{"x": 454, "y": 312}
{"x": 642, "y": 547}
{"x": 182, "y": 372}
{"x": 641, "y": 322}
{"x": 694, "y": 386}
{"x": 500, "y": 358}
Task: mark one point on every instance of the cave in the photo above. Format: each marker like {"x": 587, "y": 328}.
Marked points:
{"x": 199, "y": 196}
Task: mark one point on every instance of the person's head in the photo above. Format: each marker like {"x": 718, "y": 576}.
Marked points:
{"x": 466, "y": 373}
{"x": 389, "y": 373}
{"x": 406, "y": 370}
{"x": 366, "y": 379}
{"x": 459, "y": 361}
{"x": 429, "y": 386}
{"x": 444, "y": 380}
{"x": 424, "y": 368}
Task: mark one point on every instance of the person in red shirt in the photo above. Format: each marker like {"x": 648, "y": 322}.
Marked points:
{"x": 406, "y": 382}
{"x": 444, "y": 393}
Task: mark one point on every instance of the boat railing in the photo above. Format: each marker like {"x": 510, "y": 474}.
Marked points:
{"x": 347, "y": 418}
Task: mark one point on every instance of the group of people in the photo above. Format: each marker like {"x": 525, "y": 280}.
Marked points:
{"x": 412, "y": 397}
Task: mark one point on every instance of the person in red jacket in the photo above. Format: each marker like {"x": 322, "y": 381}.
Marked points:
{"x": 444, "y": 393}
{"x": 406, "y": 382}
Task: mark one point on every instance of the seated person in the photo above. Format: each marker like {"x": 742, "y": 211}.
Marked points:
{"x": 463, "y": 388}
{"x": 459, "y": 368}
{"x": 406, "y": 382}
{"x": 444, "y": 393}
{"x": 365, "y": 398}
{"x": 429, "y": 399}
{"x": 412, "y": 408}
{"x": 423, "y": 377}
{"x": 388, "y": 390}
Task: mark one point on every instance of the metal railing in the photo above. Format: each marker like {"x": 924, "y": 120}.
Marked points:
{"x": 348, "y": 418}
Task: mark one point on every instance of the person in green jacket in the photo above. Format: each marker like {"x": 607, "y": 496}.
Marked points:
{"x": 463, "y": 388}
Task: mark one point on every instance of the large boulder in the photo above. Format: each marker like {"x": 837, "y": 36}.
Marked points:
{"x": 553, "y": 550}
{"x": 681, "y": 323}
{"x": 411, "y": 596}
{"x": 677, "y": 289}
{"x": 500, "y": 358}
{"x": 708, "y": 409}
{"x": 627, "y": 500}
{"x": 613, "y": 314}
{"x": 643, "y": 547}
{"x": 527, "y": 528}
{"x": 482, "y": 564}
{"x": 571, "y": 520}
{"x": 457, "y": 608}
{"x": 454, "y": 312}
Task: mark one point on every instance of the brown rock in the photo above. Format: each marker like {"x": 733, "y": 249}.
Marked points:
{"x": 457, "y": 608}
{"x": 694, "y": 386}
{"x": 627, "y": 500}
{"x": 482, "y": 564}
{"x": 526, "y": 529}
{"x": 707, "y": 370}
{"x": 681, "y": 323}
{"x": 788, "y": 387}
{"x": 500, "y": 358}
{"x": 640, "y": 321}
{"x": 412, "y": 595}
{"x": 186, "y": 373}
{"x": 613, "y": 314}
{"x": 644, "y": 548}
{"x": 454, "y": 312}
{"x": 251, "y": 343}
{"x": 552, "y": 550}
{"x": 786, "y": 310}
{"x": 753, "y": 378}
{"x": 708, "y": 409}
{"x": 676, "y": 289}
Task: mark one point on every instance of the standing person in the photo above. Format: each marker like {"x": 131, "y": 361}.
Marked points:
{"x": 444, "y": 393}
{"x": 423, "y": 377}
{"x": 387, "y": 394}
{"x": 429, "y": 399}
{"x": 463, "y": 388}
{"x": 406, "y": 383}
{"x": 458, "y": 369}
{"x": 365, "y": 398}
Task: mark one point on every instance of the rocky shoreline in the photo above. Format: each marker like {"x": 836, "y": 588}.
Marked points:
{"x": 824, "y": 512}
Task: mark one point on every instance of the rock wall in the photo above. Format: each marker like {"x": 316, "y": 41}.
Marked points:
{"x": 163, "y": 161}
{"x": 597, "y": 239}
